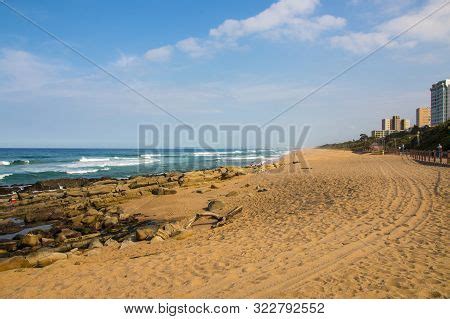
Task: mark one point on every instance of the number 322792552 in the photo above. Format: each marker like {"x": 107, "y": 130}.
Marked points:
{"x": 288, "y": 307}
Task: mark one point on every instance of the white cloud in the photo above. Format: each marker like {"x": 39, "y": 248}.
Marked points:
{"x": 435, "y": 29}
{"x": 159, "y": 54}
{"x": 285, "y": 19}
{"x": 194, "y": 47}
{"x": 278, "y": 14}
{"x": 306, "y": 29}
{"x": 126, "y": 60}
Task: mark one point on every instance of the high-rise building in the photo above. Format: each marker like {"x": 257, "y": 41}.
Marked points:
{"x": 395, "y": 123}
{"x": 404, "y": 124}
{"x": 385, "y": 124}
{"x": 423, "y": 116}
{"x": 440, "y": 100}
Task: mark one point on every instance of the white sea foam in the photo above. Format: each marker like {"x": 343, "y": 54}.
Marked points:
{"x": 150, "y": 156}
{"x": 5, "y": 163}
{"x": 245, "y": 158}
{"x": 87, "y": 160}
{"x": 86, "y": 171}
{"x": 2, "y": 176}
{"x": 110, "y": 162}
{"x": 82, "y": 171}
{"x": 215, "y": 153}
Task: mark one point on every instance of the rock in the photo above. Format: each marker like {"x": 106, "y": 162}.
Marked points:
{"x": 170, "y": 184}
{"x": 39, "y": 216}
{"x": 144, "y": 233}
{"x": 110, "y": 221}
{"x": 215, "y": 204}
{"x": 126, "y": 243}
{"x": 106, "y": 182}
{"x": 96, "y": 243}
{"x": 124, "y": 217}
{"x": 112, "y": 243}
{"x": 214, "y": 186}
{"x": 30, "y": 240}
{"x": 232, "y": 193}
{"x": 164, "y": 191}
{"x": 3, "y": 252}
{"x": 47, "y": 241}
{"x": 121, "y": 188}
{"x": 67, "y": 233}
{"x": 261, "y": 189}
{"x": 50, "y": 258}
{"x": 14, "y": 263}
{"x": 77, "y": 220}
{"x": 8, "y": 245}
{"x": 142, "y": 182}
{"x": 156, "y": 239}
{"x": 89, "y": 219}
{"x": 101, "y": 190}
{"x": 75, "y": 193}
{"x": 93, "y": 212}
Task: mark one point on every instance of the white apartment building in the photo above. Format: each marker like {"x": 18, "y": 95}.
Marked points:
{"x": 440, "y": 99}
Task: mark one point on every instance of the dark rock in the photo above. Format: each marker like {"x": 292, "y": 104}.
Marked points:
{"x": 144, "y": 233}
{"x": 8, "y": 245}
{"x": 215, "y": 204}
{"x": 67, "y": 233}
{"x": 164, "y": 191}
{"x": 30, "y": 240}
{"x": 110, "y": 221}
{"x": 96, "y": 243}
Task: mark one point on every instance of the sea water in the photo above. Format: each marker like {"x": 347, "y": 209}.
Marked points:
{"x": 27, "y": 166}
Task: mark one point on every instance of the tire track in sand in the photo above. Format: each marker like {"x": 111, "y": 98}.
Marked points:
{"x": 412, "y": 216}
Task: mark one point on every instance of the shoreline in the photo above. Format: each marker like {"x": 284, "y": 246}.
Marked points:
{"x": 66, "y": 182}
{"x": 85, "y": 210}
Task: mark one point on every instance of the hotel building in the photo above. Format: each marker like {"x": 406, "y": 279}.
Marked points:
{"x": 396, "y": 123}
{"x": 404, "y": 124}
{"x": 386, "y": 124}
{"x": 423, "y": 116}
{"x": 440, "y": 99}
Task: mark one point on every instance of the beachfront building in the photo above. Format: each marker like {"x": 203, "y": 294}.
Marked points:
{"x": 395, "y": 123}
{"x": 404, "y": 124}
{"x": 440, "y": 99}
{"x": 386, "y": 124}
{"x": 423, "y": 116}
{"x": 382, "y": 133}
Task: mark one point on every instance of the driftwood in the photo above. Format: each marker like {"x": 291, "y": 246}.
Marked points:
{"x": 172, "y": 229}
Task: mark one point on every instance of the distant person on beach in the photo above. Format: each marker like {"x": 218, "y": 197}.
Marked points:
{"x": 439, "y": 151}
{"x": 13, "y": 198}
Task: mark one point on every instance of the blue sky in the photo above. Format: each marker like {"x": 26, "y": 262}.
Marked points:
{"x": 213, "y": 62}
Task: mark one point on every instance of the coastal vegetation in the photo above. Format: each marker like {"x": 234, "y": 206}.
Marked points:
{"x": 424, "y": 138}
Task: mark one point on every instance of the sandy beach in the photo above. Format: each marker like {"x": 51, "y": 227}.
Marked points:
{"x": 350, "y": 226}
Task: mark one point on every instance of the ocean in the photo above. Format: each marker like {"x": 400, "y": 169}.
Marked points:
{"x": 27, "y": 166}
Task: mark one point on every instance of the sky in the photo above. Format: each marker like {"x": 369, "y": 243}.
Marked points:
{"x": 214, "y": 63}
